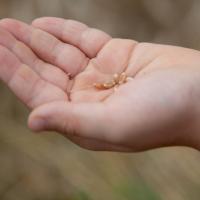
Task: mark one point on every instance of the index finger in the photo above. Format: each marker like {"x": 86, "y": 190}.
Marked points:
{"x": 89, "y": 40}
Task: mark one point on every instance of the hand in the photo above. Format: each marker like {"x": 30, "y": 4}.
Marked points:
{"x": 52, "y": 67}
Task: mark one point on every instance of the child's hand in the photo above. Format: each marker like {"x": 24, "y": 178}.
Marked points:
{"x": 53, "y": 67}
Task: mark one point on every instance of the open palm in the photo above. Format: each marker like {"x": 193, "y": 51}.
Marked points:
{"x": 53, "y": 65}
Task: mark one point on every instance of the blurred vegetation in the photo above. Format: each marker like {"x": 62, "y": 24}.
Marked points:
{"x": 47, "y": 166}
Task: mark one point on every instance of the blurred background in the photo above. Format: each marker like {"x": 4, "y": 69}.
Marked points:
{"x": 47, "y": 166}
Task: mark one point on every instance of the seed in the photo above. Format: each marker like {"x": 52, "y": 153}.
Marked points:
{"x": 104, "y": 85}
{"x": 116, "y": 78}
{"x": 122, "y": 78}
{"x": 99, "y": 86}
{"x": 109, "y": 85}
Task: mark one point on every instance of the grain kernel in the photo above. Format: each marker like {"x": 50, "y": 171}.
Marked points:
{"x": 109, "y": 85}
{"x": 116, "y": 78}
{"x": 122, "y": 78}
{"x": 99, "y": 86}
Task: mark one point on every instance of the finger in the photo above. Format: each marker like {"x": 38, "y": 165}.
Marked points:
{"x": 71, "y": 119}
{"x": 47, "y": 47}
{"x": 89, "y": 40}
{"x": 115, "y": 56}
{"x": 95, "y": 145}
{"x": 48, "y": 72}
{"x": 25, "y": 83}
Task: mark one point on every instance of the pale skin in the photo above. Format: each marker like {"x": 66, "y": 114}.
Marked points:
{"x": 53, "y": 64}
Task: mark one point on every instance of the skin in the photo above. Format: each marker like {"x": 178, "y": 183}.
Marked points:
{"x": 52, "y": 66}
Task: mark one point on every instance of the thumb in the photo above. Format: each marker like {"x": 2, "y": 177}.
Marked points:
{"x": 79, "y": 119}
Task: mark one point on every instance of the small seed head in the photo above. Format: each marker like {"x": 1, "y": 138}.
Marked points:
{"x": 99, "y": 86}
{"x": 122, "y": 78}
{"x": 109, "y": 85}
{"x": 116, "y": 78}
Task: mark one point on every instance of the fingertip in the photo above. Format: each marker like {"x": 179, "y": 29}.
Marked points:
{"x": 43, "y": 20}
{"x": 5, "y": 20}
{"x": 37, "y": 120}
{"x": 14, "y": 26}
{"x": 40, "y": 118}
{"x": 36, "y": 124}
{"x": 44, "y": 114}
{"x": 96, "y": 40}
{"x": 38, "y": 21}
{"x": 8, "y": 22}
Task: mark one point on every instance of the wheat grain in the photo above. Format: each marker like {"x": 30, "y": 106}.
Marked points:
{"x": 118, "y": 79}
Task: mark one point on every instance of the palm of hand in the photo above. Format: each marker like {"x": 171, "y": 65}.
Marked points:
{"x": 49, "y": 83}
{"x": 70, "y": 67}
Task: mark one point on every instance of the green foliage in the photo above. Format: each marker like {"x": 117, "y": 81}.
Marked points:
{"x": 81, "y": 195}
{"x": 137, "y": 190}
